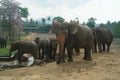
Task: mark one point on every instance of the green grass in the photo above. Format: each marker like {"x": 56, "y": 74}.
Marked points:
{"x": 5, "y": 51}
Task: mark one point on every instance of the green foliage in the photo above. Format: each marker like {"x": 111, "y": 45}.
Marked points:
{"x": 117, "y": 30}
{"x": 24, "y": 12}
{"x": 91, "y": 22}
{"x": 113, "y": 26}
{"x": 5, "y": 51}
{"x": 5, "y": 24}
{"x": 59, "y": 19}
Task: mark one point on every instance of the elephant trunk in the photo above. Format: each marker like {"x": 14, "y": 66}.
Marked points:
{"x": 61, "y": 41}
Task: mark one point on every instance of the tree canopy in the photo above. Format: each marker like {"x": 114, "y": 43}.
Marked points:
{"x": 59, "y": 19}
{"x": 10, "y": 16}
{"x": 91, "y": 22}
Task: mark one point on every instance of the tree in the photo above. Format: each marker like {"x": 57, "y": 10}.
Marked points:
{"x": 91, "y": 22}
{"x": 102, "y": 25}
{"x": 24, "y": 12}
{"x": 10, "y": 14}
{"x": 49, "y": 18}
{"x": 59, "y": 19}
{"x": 43, "y": 22}
{"x": 117, "y": 29}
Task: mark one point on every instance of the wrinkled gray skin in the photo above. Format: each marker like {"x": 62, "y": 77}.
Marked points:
{"x": 3, "y": 42}
{"x": 24, "y": 47}
{"x": 94, "y": 49}
{"x": 53, "y": 48}
{"x": 44, "y": 46}
{"x": 75, "y": 36}
{"x": 104, "y": 37}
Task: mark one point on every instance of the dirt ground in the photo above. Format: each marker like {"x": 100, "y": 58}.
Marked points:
{"x": 104, "y": 66}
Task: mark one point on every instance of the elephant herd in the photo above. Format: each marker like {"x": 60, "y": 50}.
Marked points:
{"x": 39, "y": 48}
{"x": 71, "y": 36}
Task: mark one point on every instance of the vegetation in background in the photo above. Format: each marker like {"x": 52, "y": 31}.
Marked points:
{"x": 113, "y": 26}
{"x": 91, "y": 22}
{"x": 11, "y": 17}
{"x": 5, "y": 51}
{"x": 59, "y": 19}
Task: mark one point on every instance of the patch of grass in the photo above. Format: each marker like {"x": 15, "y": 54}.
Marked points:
{"x": 5, "y": 51}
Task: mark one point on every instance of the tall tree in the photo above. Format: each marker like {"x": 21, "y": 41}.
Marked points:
{"x": 117, "y": 29}
{"x": 59, "y": 19}
{"x": 43, "y": 22}
{"x": 9, "y": 13}
{"x": 24, "y": 12}
{"x": 91, "y": 22}
{"x": 49, "y": 18}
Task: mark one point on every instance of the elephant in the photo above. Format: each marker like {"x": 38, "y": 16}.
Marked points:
{"x": 104, "y": 37}
{"x": 29, "y": 47}
{"x": 3, "y": 42}
{"x": 73, "y": 35}
{"x": 94, "y": 49}
{"x": 53, "y": 47}
{"x": 44, "y": 45}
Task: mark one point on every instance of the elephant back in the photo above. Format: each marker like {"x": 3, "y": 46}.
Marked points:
{"x": 104, "y": 35}
{"x": 43, "y": 42}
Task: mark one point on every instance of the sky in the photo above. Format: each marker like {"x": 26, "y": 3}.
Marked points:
{"x": 102, "y": 10}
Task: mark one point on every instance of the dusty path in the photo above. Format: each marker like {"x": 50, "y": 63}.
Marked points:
{"x": 104, "y": 66}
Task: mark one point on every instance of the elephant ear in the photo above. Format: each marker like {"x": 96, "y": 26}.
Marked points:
{"x": 36, "y": 40}
{"x": 55, "y": 26}
{"x": 73, "y": 27}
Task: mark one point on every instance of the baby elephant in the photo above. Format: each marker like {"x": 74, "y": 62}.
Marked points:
{"x": 53, "y": 48}
{"x": 44, "y": 48}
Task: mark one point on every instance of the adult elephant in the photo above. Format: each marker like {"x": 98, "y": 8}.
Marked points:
{"x": 24, "y": 47}
{"x": 3, "y": 42}
{"x": 104, "y": 37}
{"x": 75, "y": 36}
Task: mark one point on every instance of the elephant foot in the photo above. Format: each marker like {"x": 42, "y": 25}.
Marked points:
{"x": 100, "y": 51}
{"x": 60, "y": 61}
{"x": 78, "y": 53}
{"x": 87, "y": 58}
{"x": 70, "y": 60}
{"x": 48, "y": 60}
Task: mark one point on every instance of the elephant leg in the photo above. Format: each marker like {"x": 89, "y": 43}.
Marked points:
{"x": 51, "y": 54}
{"x": 34, "y": 53}
{"x": 95, "y": 47}
{"x": 61, "y": 56}
{"x": 43, "y": 53}
{"x": 70, "y": 53}
{"x": 54, "y": 54}
{"x": 19, "y": 57}
{"x": 108, "y": 47}
{"x": 103, "y": 47}
{"x": 47, "y": 56}
{"x": 87, "y": 55}
{"x": 99, "y": 46}
{"x": 95, "y": 44}
{"x": 39, "y": 54}
{"x": 77, "y": 51}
